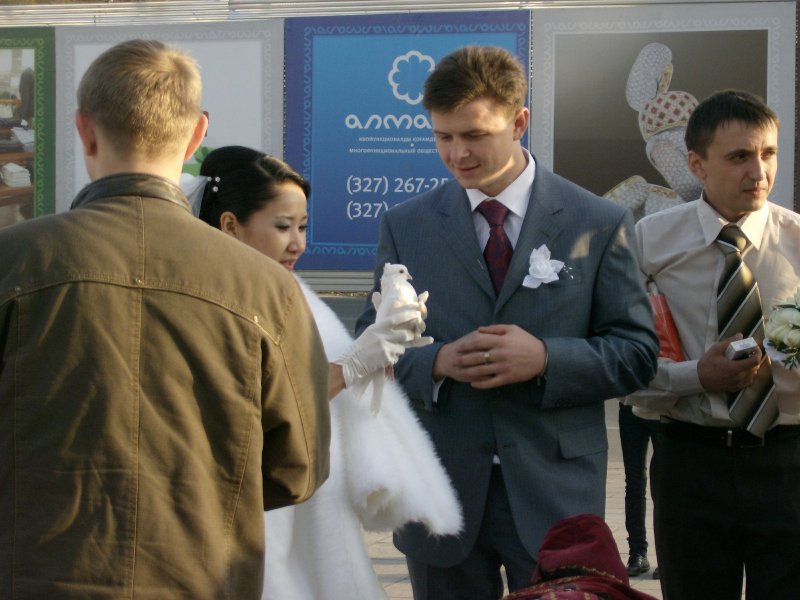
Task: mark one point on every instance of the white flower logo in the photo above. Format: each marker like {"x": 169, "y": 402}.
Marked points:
{"x": 542, "y": 268}
{"x": 407, "y": 75}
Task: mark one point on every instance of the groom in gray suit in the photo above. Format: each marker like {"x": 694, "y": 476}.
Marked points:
{"x": 526, "y": 351}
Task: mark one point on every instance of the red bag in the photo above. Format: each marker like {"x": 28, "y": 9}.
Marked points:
{"x": 668, "y": 339}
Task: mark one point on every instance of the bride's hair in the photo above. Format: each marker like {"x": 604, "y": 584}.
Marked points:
{"x": 242, "y": 180}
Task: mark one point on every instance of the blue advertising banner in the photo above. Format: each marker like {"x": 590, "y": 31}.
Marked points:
{"x": 355, "y": 125}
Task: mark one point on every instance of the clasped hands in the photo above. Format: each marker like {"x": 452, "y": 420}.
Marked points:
{"x": 492, "y": 356}
{"x": 380, "y": 345}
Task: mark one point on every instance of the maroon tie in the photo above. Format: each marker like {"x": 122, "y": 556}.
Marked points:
{"x": 498, "y": 249}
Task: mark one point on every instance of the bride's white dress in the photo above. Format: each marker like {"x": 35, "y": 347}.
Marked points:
{"x": 384, "y": 472}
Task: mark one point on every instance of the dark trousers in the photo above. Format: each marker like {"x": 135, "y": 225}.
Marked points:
{"x": 477, "y": 577}
{"x": 635, "y": 435}
{"x": 720, "y": 511}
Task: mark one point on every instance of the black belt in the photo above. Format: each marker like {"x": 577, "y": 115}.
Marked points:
{"x": 726, "y": 438}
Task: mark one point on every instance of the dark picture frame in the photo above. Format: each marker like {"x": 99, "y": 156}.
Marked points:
{"x": 35, "y": 116}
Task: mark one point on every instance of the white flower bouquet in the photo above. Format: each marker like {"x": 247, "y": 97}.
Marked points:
{"x": 783, "y": 332}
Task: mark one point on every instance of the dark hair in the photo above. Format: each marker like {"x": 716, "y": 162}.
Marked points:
{"x": 242, "y": 181}
{"x": 475, "y": 72}
{"x": 721, "y": 108}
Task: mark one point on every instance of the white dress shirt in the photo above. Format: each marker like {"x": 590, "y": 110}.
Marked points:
{"x": 515, "y": 198}
{"x": 677, "y": 250}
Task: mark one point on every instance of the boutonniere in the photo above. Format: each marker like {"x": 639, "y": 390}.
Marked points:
{"x": 783, "y": 332}
{"x": 542, "y": 268}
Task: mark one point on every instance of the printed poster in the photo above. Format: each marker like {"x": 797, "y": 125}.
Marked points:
{"x": 355, "y": 125}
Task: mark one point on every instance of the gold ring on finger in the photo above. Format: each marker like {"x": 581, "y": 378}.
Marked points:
{"x": 487, "y": 357}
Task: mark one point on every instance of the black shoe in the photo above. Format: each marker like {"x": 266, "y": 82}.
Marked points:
{"x": 656, "y": 574}
{"x": 637, "y": 564}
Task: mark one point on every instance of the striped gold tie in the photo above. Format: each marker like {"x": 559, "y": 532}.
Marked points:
{"x": 739, "y": 311}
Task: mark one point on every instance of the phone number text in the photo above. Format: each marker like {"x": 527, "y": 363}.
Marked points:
{"x": 383, "y": 185}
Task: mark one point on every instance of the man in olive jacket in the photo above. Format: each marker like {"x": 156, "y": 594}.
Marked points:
{"x": 161, "y": 384}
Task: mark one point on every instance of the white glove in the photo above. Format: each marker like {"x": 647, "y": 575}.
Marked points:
{"x": 379, "y": 346}
{"x": 404, "y": 313}
{"x": 419, "y": 325}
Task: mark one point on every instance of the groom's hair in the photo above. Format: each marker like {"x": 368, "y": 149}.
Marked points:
{"x": 476, "y": 72}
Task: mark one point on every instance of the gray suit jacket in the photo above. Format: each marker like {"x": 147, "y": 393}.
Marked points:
{"x": 597, "y": 325}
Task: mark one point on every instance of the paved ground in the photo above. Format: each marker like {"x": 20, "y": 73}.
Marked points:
{"x": 390, "y": 564}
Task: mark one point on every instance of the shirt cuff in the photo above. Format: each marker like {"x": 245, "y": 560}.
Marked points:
{"x": 437, "y": 385}
{"x": 684, "y": 379}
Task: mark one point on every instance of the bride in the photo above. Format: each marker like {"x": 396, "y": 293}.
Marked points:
{"x": 383, "y": 468}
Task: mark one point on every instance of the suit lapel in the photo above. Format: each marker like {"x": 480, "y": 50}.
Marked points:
{"x": 458, "y": 231}
{"x": 542, "y": 225}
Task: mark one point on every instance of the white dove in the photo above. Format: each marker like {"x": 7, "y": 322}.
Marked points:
{"x": 397, "y": 294}
{"x": 392, "y": 304}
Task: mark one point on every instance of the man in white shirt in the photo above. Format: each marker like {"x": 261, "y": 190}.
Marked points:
{"x": 725, "y": 486}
